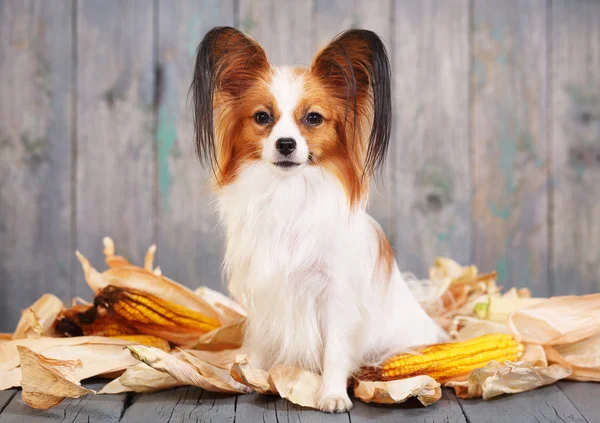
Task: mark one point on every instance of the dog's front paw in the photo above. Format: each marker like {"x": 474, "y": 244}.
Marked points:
{"x": 335, "y": 403}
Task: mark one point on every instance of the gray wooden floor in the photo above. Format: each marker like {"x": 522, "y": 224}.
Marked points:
{"x": 565, "y": 402}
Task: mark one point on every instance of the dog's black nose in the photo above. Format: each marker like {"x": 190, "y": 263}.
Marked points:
{"x": 285, "y": 146}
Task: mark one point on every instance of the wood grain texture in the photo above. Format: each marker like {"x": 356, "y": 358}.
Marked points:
{"x": 186, "y": 404}
{"x": 431, "y": 181}
{"x": 270, "y": 409}
{"x": 575, "y": 124}
{"x": 285, "y": 29}
{"x": 90, "y": 408}
{"x": 115, "y": 154}
{"x": 190, "y": 242}
{"x": 256, "y": 408}
{"x": 6, "y": 397}
{"x": 509, "y": 143}
{"x": 35, "y": 154}
{"x": 446, "y": 410}
{"x": 331, "y": 18}
{"x": 543, "y": 405}
{"x": 584, "y": 396}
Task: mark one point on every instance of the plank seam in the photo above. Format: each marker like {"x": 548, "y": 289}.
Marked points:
{"x": 462, "y": 410}
{"x": 390, "y": 203}
{"x": 235, "y": 408}
{"x": 74, "y": 162}
{"x": 127, "y": 403}
{"x": 236, "y": 18}
{"x": 572, "y": 403}
{"x": 78, "y": 412}
{"x": 472, "y": 174}
{"x": 155, "y": 110}
{"x": 549, "y": 149}
{"x": 9, "y": 401}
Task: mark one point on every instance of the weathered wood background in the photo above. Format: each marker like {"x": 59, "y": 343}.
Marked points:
{"x": 495, "y": 156}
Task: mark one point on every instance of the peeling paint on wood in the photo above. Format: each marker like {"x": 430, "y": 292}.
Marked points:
{"x": 35, "y": 154}
{"x": 115, "y": 154}
{"x": 575, "y": 124}
{"x": 190, "y": 245}
{"x": 484, "y": 164}
{"x": 510, "y": 204}
{"x": 431, "y": 176}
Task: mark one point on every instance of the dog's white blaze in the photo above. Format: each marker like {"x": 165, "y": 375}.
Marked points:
{"x": 305, "y": 266}
{"x": 286, "y": 87}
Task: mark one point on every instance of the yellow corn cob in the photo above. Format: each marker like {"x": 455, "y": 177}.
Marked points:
{"x": 140, "y": 308}
{"x": 148, "y": 340}
{"x": 85, "y": 320}
{"x": 107, "y": 326}
{"x": 444, "y": 362}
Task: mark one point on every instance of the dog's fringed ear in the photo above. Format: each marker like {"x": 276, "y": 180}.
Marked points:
{"x": 356, "y": 69}
{"x": 227, "y": 63}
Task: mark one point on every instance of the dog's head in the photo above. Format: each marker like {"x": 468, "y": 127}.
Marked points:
{"x": 334, "y": 115}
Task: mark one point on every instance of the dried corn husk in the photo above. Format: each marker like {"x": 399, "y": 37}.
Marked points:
{"x": 155, "y": 316}
{"x": 424, "y": 388}
{"x": 129, "y": 276}
{"x": 38, "y": 319}
{"x": 257, "y": 379}
{"x": 140, "y": 378}
{"x": 187, "y": 369}
{"x": 46, "y": 382}
{"x": 97, "y": 355}
{"x": 509, "y": 378}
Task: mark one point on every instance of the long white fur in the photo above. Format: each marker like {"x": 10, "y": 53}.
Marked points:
{"x": 305, "y": 265}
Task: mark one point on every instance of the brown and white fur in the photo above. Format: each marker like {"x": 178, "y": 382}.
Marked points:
{"x": 292, "y": 150}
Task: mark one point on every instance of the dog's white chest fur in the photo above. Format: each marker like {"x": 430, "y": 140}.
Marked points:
{"x": 294, "y": 248}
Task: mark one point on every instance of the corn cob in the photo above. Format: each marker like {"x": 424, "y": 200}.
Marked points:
{"x": 143, "y": 310}
{"x": 445, "y": 362}
{"x": 85, "y": 320}
{"x": 147, "y": 340}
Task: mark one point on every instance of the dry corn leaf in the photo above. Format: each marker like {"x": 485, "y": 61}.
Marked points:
{"x": 38, "y": 319}
{"x": 217, "y": 375}
{"x": 46, "y": 382}
{"x": 583, "y": 357}
{"x": 97, "y": 355}
{"x": 426, "y": 389}
{"x": 558, "y": 320}
{"x": 140, "y": 378}
{"x": 299, "y": 386}
{"x": 257, "y": 379}
{"x": 535, "y": 354}
{"x": 465, "y": 327}
{"x": 9, "y": 355}
{"x": 149, "y": 258}
{"x": 509, "y": 378}
{"x": 143, "y": 280}
{"x": 229, "y": 336}
{"x": 181, "y": 370}
{"x": 113, "y": 260}
{"x": 230, "y": 310}
{"x": 223, "y": 359}
{"x": 499, "y": 309}
{"x": 444, "y": 267}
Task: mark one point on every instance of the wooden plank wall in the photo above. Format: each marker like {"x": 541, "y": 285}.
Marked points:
{"x": 495, "y": 157}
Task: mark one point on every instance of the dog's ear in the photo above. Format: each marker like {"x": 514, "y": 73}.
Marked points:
{"x": 355, "y": 68}
{"x": 227, "y": 63}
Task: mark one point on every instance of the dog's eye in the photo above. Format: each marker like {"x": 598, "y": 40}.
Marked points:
{"x": 314, "y": 119}
{"x": 262, "y": 118}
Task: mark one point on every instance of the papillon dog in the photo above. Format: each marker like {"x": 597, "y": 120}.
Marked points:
{"x": 292, "y": 150}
